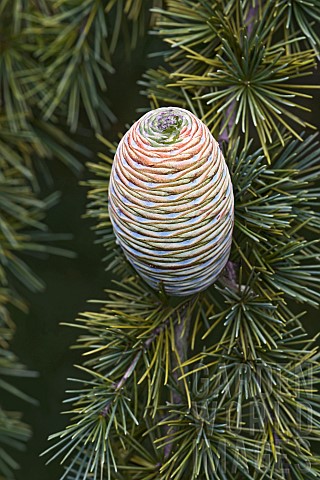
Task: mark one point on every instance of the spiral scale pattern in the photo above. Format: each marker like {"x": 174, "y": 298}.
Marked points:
{"x": 171, "y": 201}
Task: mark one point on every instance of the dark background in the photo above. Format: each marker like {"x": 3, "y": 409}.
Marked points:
{"x": 40, "y": 342}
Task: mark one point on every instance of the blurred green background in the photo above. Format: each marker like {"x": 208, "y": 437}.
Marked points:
{"x": 40, "y": 342}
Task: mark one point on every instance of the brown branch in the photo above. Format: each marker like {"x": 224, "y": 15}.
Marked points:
{"x": 181, "y": 338}
{"x": 145, "y": 346}
{"x": 229, "y": 274}
{"x": 181, "y": 334}
{"x": 252, "y": 17}
{"x": 225, "y": 134}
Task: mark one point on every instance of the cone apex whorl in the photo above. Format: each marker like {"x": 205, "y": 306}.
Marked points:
{"x": 171, "y": 201}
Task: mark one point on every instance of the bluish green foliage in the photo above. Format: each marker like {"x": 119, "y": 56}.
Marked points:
{"x": 224, "y": 384}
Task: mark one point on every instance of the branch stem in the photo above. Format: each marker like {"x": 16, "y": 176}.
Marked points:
{"x": 181, "y": 339}
{"x": 231, "y": 110}
{"x": 145, "y": 346}
{"x": 229, "y": 274}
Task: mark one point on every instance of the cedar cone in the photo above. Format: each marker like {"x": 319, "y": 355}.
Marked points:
{"x": 171, "y": 201}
